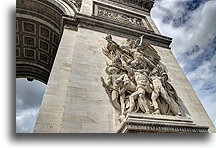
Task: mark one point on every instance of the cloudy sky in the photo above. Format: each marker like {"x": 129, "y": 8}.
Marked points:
{"x": 28, "y": 99}
{"x": 191, "y": 24}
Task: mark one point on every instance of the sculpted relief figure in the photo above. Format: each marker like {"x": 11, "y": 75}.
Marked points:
{"x": 142, "y": 86}
{"x": 158, "y": 81}
{"x": 125, "y": 84}
{"x": 137, "y": 81}
{"x": 111, "y": 85}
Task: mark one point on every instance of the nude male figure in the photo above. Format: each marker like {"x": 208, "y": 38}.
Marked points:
{"x": 159, "y": 90}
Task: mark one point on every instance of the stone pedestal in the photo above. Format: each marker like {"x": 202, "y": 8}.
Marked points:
{"x": 141, "y": 123}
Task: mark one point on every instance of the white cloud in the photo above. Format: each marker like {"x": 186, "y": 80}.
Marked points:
{"x": 198, "y": 31}
{"x": 203, "y": 80}
{"x": 28, "y": 94}
{"x": 196, "y": 54}
{"x": 204, "y": 19}
{"x": 208, "y": 101}
{"x": 204, "y": 72}
{"x": 28, "y": 99}
{"x": 25, "y": 121}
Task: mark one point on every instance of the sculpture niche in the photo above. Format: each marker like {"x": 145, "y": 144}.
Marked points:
{"x": 137, "y": 80}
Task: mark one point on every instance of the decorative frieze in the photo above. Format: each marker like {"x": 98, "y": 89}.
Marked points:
{"x": 137, "y": 123}
{"x": 119, "y": 16}
{"x": 140, "y": 4}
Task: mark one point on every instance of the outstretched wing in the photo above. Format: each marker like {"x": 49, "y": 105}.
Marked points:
{"x": 153, "y": 54}
{"x": 150, "y": 55}
{"x": 148, "y": 51}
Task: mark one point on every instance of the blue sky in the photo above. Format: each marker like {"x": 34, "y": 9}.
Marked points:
{"x": 28, "y": 99}
{"x": 191, "y": 24}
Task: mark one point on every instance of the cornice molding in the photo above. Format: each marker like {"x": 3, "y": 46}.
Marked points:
{"x": 138, "y": 123}
{"x": 115, "y": 28}
{"x": 145, "y": 5}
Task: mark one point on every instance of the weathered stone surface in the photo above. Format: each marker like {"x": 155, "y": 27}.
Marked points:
{"x": 52, "y": 107}
{"x": 145, "y": 5}
{"x": 139, "y": 123}
{"x": 75, "y": 101}
{"x": 137, "y": 80}
{"x": 189, "y": 100}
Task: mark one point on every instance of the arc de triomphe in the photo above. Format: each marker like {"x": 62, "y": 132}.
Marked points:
{"x": 107, "y": 69}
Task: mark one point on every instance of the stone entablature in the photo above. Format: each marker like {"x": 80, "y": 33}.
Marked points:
{"x": 119, "y": 17}
{"x": 120, "y": 29}
{"x": 123, "y": 17}
{"x": 145, "y": 5}
{"x": 138, "y": 123}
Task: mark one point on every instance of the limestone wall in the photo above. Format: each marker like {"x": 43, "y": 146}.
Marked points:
{"x": 191, "y": 104}
{"x": 76, "y": 102}
{"x": 52, "y": 106}
{"x": 87, "y": 107}
{"x": 87, "y": 8}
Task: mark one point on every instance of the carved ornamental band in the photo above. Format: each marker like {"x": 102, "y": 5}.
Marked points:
{"x": 119, "y": 17}
{"x": 137, "y": 81}
{"x": 140, "y": 4}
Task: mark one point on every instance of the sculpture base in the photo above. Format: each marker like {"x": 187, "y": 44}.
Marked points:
{"x": 141, "y": 123}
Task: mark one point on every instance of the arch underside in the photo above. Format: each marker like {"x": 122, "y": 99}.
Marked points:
{"x": 39, "y": 27}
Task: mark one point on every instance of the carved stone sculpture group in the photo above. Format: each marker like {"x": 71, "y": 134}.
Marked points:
{"x": 137, "y": 80}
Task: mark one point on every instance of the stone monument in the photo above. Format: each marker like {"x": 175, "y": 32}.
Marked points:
{"x": 138, "y": 88}
{"x": 107, "y": 69}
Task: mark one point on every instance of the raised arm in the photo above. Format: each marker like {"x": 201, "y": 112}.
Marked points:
{"x": 125, "y": 65}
